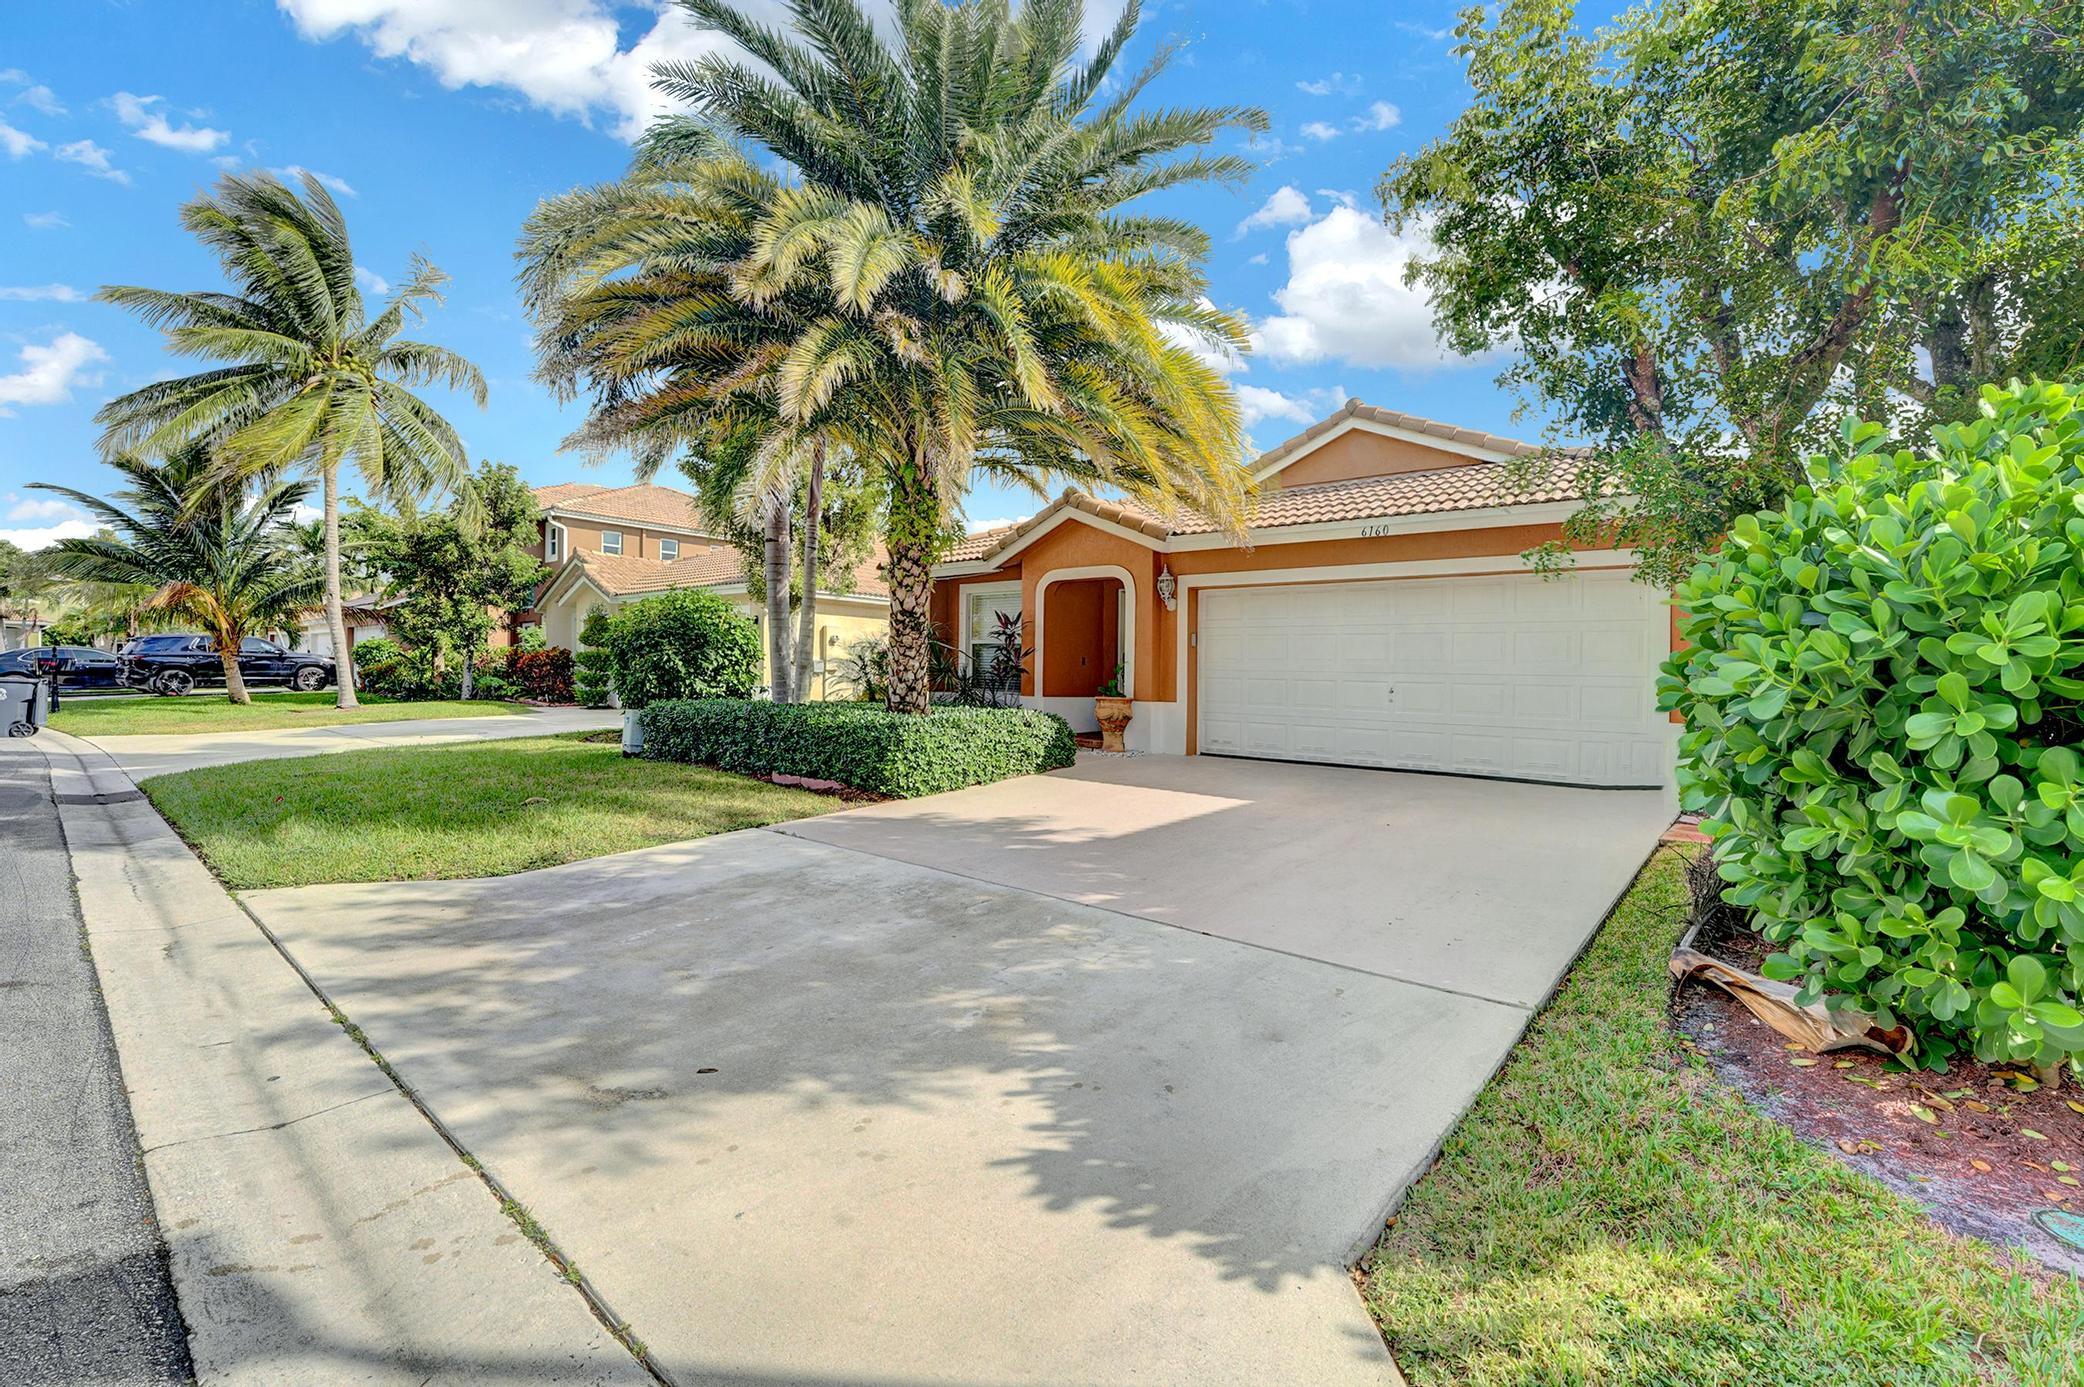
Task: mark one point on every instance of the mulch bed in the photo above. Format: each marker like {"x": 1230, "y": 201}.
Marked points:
{"x": 1981, "y": 1147}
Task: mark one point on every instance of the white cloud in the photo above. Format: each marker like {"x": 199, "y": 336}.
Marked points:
{"x": 30, "y": 293}
{"x": 45, "y": 221}
{"x": 50, "y": 371}
{"x": 43, "y": 536}
{"x": 1338, "y": 83}
{"x": 18, "y": 143}
{"x": 563, "y": 55}
{"x": 1346, "y": 300}
{"x": 1256, "y": 405}
{"x": 978, "y": 526}
{"x": 42, "y": 99}
{"x": 1425, "y": 31}
{"x": 293, "y": 172}
{"x": 149, "y": 123}
{"x": 1286, "y": 207}
{"x": 1259, "y": 259}
{"x": 93, "y": 158}
{"x": 1319, "y": 131}
{"x": 372, "y": 281}
{"x": 1380, "y": 116}
{"x": 39, "y": 508}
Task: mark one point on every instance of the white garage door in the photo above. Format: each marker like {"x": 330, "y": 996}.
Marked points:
{"x": 1512, "y": 676}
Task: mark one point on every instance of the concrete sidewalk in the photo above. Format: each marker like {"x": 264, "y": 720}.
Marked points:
{"x": 319, "y": 1228}
{"x": 165, "y": 753}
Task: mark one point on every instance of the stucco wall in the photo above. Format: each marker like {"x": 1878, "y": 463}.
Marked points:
{"x": 638, "y": 542}
{"x": 1360, "y": 453}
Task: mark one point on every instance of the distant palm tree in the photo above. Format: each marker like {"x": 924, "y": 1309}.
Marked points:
{"x": 215, "y": 552}
{"x": 946, "y": 282}
{"x": 313, "y": 381}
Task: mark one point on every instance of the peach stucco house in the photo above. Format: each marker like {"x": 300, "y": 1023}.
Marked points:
{"x": 1380, "y": 613}
{"x": 608, "y": 545}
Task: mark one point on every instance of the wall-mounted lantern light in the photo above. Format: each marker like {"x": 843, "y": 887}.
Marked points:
{"x": 1168, "y": 589}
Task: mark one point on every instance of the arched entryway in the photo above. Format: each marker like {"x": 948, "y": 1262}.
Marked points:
{"x": 1082, "y": 640}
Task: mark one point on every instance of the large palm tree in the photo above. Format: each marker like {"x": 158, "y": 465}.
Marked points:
{"x": 216, "y": 552}
{"x": 946, "y": 282}
{"x": 308, "y": 379}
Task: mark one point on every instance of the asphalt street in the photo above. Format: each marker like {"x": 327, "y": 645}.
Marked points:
{"x": 84, "y": 1292}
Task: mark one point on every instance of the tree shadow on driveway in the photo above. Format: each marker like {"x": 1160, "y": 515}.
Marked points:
{"x": 798, "y": 1109}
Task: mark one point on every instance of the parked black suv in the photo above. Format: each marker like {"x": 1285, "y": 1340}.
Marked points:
{"x": 176, "y": 664}
{"x": 77, "y": 666}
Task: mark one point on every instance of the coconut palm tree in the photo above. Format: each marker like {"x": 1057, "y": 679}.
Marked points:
{"x": 947, "y": 282}
{"x": 215, "y": 552}
{"x": 307, "y": 379}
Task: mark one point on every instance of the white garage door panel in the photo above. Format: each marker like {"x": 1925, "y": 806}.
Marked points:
{"x": 1511, "y": 676}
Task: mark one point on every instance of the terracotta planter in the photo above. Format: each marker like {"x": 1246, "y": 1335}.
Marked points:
{"x": 1114, "y": 715}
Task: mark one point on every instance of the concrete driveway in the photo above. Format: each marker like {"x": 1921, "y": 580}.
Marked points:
{"x": 1483, "y": 887}
{"x": 1099, "y": 1077}
{"x": 164, "y": 753}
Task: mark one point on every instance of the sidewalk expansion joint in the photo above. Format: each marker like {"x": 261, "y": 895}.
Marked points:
{"x": 515, "y": 1211}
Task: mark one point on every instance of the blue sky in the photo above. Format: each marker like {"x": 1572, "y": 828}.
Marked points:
{"x": 442, "y": 122}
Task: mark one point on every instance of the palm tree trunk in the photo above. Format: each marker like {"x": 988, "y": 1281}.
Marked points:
{"x": 774, "y": 554}
{"x": 914, "y": 525}
{"x": 234, "y": 678}
{"x": 336, "y": 623}
{"x": 807, "y": 614}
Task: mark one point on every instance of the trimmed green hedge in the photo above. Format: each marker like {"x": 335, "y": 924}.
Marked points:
{"x": 859, "y": 744}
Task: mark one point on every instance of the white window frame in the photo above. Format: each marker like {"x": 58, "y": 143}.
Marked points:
{"x": 668, "y": 548}
{"x": 976, "y": 631}
{"x": 553, "y": 542}
{"x": 611, "y": 542}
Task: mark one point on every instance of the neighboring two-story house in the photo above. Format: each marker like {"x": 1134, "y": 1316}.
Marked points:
{"x": 607, "y": 545}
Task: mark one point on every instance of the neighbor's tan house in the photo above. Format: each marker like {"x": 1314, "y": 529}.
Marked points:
{"x": 1379, "y": 613}
{"x": 609, "y": 545}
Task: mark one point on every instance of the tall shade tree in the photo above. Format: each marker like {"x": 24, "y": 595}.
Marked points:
{"x": 216, "y": 552}
{"x": 1712, "y": 229}
{"x": 307, "y": 379}
{"x": 947, "y": 283}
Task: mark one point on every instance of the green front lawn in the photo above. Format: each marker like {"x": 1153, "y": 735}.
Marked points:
{"x": 122, "y": 717}
{"x": 483, "y": 809}
{"x": 1610, "y": 1213}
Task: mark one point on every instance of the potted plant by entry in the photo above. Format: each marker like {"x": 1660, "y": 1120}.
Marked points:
{"x": 1114, "y": 709}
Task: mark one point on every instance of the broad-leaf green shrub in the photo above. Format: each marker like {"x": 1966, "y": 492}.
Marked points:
{"x": 1882, "y": 700}
{"x": 685, "y": 644}
{"x": 858, "y": 744}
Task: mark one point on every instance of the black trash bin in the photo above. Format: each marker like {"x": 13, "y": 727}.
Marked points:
{"x": 25, "y": 704}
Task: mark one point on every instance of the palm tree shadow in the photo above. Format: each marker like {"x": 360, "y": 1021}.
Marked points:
{"x": 704, "y": 1028}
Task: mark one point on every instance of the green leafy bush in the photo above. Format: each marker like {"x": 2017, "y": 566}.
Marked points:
{"x": 378, "y": 650}
{"x": 592, "y": 667}
{"x": 1884, "y": 711}
{"x": 858, "y": 744}
{"x": 685, "y": 644}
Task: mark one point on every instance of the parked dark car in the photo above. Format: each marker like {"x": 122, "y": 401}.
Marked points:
{"x": 77, "y": 666}
{"x": 176, "y": 664}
